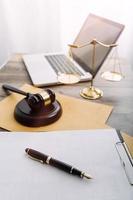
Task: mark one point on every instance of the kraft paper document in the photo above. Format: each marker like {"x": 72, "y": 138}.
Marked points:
{"x": 77, "y": 114}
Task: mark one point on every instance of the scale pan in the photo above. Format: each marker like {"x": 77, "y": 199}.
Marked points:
{"x": 112, "y": 76}
{"x": 68, "y": 78}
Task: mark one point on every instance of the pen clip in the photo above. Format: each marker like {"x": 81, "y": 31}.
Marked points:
{"x": 35, "y": 159}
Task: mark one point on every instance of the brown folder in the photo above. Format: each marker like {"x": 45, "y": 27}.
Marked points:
{"x": 77, "y": 114}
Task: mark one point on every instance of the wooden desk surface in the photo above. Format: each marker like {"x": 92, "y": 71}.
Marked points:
{"x": 118, "y": 94}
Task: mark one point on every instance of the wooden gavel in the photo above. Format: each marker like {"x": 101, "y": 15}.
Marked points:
{"x": 36, "y": 101}
{"x": 36, "y": 109}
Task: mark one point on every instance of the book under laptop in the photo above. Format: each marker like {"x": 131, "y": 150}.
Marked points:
{"x": 44, "y": 68}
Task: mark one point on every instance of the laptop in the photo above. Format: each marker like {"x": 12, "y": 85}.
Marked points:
{"x": 44, "y": 68}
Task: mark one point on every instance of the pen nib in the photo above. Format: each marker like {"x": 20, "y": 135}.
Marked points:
{"x": 87, "y": 176}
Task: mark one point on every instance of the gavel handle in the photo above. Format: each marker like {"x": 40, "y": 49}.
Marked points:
{"x": 13, "y": 89}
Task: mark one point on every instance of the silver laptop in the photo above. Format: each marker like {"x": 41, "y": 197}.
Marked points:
{"x": 44, "y": 68}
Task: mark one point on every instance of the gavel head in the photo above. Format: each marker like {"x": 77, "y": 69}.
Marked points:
{"x": 40, "y": 100}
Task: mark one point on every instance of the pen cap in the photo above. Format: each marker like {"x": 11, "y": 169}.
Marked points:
{"x": 36, "y": 154}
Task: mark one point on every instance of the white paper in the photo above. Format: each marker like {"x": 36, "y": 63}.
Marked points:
{"x": 93, "y": 151}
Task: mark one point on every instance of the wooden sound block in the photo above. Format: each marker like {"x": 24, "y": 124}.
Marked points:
{"x": 24, "y": 115}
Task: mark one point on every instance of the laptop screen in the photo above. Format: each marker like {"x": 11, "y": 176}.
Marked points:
{"x": 101, "y": 29}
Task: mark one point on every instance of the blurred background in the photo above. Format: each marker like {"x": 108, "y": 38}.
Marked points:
{"x": 39, "y": 26}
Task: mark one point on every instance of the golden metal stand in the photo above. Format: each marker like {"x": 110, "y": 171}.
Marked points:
{"x": 92, "y": 92}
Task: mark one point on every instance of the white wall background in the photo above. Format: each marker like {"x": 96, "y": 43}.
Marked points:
{"x": 34, "y": 26}
{"x": 74, "y": 13}
{"x": 4, "y": 37}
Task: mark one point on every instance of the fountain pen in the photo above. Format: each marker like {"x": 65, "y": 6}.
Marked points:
{"x": 36, "y": 155}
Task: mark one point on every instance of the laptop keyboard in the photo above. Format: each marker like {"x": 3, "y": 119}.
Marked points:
{"x": 60, "y": 63}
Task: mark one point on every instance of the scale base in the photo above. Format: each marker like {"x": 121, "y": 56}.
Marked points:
{"x": 91, "y": 93}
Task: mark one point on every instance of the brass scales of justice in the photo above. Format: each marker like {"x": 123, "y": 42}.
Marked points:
{"x": 90, "y": 92}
